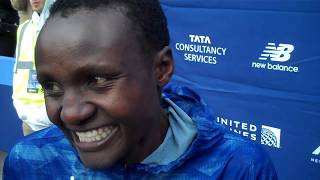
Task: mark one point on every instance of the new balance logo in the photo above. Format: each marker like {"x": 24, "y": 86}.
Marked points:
{"x": 317, "y": 151}
{"x": 279, "y": 54}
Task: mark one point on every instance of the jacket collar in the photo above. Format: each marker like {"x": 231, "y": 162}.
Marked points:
{"x": 208, "y": 133}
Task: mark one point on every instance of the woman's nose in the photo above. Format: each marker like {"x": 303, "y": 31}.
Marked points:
{"x": 75, "y": 109}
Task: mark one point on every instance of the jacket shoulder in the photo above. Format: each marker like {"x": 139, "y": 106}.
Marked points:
{"x": 242, "y": 158}
{"x": 37, "y": 151}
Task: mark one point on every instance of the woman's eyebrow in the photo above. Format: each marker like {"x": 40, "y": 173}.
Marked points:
{"x": 94, "y": 68}
{"x": 41, "y": 77}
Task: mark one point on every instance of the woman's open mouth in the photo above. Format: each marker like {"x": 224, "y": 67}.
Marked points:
{"x": 93, "y": 139}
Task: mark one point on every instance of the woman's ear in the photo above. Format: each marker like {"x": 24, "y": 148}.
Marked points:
{"x": 163, "y": 65}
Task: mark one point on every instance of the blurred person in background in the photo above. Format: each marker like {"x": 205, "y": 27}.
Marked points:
{"x": 8, "y": 28}
{"x": 24, "y": 9}
{"x": 2, "y": 157}
{"x": 27, "y": 93}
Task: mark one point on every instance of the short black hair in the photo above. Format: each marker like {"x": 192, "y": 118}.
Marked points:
{"x": 146, "y": 15}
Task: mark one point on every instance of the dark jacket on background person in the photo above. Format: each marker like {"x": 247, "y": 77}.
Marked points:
{"x": 8, "y": 27}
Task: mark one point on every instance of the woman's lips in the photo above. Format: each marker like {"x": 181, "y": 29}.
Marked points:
{"x": 94, "y": 139}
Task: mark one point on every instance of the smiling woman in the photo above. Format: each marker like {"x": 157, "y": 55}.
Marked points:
{"x": 101, "y": 91}
{"x": 104, "y": 90}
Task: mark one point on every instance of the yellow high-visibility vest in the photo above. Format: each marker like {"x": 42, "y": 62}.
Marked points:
{"x": 27, "y": 96}
{"x": 26, "y": 88}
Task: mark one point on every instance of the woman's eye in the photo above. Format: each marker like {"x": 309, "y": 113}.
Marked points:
{"x": 52, "y": 89}
{"x": 98, "y": 81}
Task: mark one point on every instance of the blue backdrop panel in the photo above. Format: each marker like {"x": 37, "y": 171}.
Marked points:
{"x": 10, "y": 125}
{"x": 6, "y": 70}
{"x": 256, "y": 64}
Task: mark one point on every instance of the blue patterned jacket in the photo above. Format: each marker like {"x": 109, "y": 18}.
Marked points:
{"x": 215, "y": 153}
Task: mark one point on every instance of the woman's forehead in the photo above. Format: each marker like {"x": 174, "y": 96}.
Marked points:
{"x": 84, "y": 27}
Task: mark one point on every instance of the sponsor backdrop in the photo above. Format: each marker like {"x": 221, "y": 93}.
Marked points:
{"x": 10, "y": 125}
{"x": 256, "y": 65}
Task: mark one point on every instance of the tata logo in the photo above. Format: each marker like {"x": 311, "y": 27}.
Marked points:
{"x": 280, "y": 53}
{"x": 200, "y": 39}
{"x": 316, "y": 151}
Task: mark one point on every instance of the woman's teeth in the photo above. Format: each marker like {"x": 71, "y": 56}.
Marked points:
{"x": 95, "y": 135}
